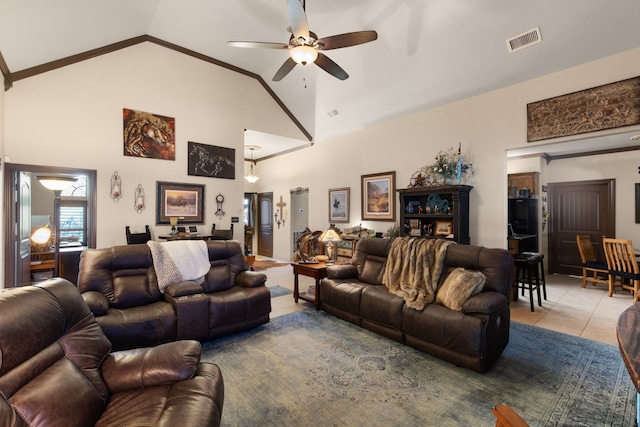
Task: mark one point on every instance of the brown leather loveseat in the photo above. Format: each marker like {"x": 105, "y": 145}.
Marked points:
{"x": 473, "y": 337}
{"x": 56, "y": 369}
{"x": 120, "y": 286}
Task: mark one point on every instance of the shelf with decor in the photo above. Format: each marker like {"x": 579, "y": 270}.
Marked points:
{"x": 436, "y": 212}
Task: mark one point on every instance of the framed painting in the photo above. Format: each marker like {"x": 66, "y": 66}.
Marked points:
{"x": 149, "y": 135}
{"x": 443, "y": 228}
{"x": 186, "y": 201}
{"x": 339, "y": 204}
{"x": 378, "y": 196}
{"x": 211, "y": 161}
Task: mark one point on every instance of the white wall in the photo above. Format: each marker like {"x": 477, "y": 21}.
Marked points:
{"x": 487, "y": 125}
{"x": 72, "y": 117}
{"x": 2, "y": 160}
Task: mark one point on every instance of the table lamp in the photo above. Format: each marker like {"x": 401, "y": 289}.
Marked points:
{"x": 330, "y": 235}
{"x": 173, "y": 220}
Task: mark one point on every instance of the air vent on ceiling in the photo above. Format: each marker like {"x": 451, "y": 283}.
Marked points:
{"x": 524, "y": 40}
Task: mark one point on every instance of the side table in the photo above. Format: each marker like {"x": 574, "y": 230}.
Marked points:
{"x": 315, "y": 271}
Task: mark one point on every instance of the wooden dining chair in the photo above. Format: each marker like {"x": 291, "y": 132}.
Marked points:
{"x": 137, "y": 238}
{"x": 622, "y": 263}
{"x": 593, "y": 270}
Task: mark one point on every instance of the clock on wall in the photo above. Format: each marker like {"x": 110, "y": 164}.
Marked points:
{"x": 219, "y": 201}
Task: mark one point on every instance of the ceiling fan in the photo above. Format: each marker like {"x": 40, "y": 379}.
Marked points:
{"x": 305, "y": 46}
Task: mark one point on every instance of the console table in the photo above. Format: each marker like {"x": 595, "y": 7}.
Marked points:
{"x": 627, "y": 333}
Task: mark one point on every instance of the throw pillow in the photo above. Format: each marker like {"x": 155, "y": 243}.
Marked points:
{"x": 458, "y": 287}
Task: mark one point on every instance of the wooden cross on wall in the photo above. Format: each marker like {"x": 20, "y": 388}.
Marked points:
{"x": 283, "y": 213}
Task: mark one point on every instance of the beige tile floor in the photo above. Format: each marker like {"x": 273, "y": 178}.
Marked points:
{"x": 569, "y": 308}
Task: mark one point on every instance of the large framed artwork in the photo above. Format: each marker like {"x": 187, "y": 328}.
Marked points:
{"x": 186, "y": 201}
{"x": 603, "y": 107}
{"x": 378, "y": 197}
{"x": 339, "y": 204}
{"x": 149, "y": 135}
{"x": 211, "y": 161}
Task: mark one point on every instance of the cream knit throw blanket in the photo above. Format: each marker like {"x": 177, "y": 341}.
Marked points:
{"x": 413, "y": 269}
{"x": 179, "y": 260}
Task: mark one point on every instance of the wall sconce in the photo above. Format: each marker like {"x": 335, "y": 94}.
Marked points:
{"x": 283, "y": 213}
{"x": 116, "y": 187}
{"x": 138, "y": 205}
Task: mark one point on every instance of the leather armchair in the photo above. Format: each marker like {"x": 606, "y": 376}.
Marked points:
{"x": 56, "y": 369}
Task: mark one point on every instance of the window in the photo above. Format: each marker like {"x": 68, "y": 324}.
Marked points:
{"x": 73, "y": 213}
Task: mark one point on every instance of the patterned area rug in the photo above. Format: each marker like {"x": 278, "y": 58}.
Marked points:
{"x": 310, "y": 368}
{"x": 278, "y": 291}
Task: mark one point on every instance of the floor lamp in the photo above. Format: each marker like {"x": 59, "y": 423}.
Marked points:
{"x": 56, "y": 184}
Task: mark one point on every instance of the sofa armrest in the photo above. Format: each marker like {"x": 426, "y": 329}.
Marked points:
{"x": 484, "y": 303}
{"x": 342, "y": 271}
{"x": 144, "y": 367}
{"x": 250, "y": 279}
{"x": 97, "y": 302}
{"x": 184, "y": 288}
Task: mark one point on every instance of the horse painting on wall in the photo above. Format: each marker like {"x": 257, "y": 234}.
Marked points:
{"x": 211, "y": 161}
{"x": 149, "y": 135}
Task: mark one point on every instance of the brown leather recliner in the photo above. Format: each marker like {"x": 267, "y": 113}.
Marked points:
{"x": 473, "y": 337}
{"x": 56, "y": 369}
{"x": 121, "y": 288}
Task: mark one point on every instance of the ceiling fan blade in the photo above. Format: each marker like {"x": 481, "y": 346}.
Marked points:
{"x": 298, "y": 19}
{"x": 260, "y": 45}
{"x": 284, "y": 69}
{"x": 324, "y": 62}
{"x": 347, "y": 39}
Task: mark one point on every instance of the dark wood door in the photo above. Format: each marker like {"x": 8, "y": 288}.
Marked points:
{"x": 265, "y": 231}
{"x": 584, "y": 207}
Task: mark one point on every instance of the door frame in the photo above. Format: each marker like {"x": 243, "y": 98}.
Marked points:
{"x": 11, "y": 209}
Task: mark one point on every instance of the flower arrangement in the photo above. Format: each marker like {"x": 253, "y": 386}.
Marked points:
{"x": 449, "y": 167}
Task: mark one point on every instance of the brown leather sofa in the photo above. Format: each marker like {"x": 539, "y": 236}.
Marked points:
{"x": 120, "y": 286}
{"x": 473, "y": 337}
{"x": 56, "y": 369}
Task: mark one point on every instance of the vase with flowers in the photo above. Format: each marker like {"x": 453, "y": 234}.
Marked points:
{"x": 450, "y": 167}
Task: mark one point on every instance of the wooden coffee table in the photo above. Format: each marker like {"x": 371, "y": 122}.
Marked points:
{"x": 316, "y": 271}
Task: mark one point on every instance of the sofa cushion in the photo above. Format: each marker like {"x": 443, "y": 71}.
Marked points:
{"x": 370, "y": 259}
{"x": 381, "y": 307}
{"x": 459, "y": 285}
{"x": 227, "y": 261}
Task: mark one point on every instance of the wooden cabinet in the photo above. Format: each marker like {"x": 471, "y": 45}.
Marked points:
{"x": 525, "y": 180}
{"x": 436, "y": 212}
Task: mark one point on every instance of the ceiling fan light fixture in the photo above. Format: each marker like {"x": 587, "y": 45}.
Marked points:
{"x": 304, "y": 54}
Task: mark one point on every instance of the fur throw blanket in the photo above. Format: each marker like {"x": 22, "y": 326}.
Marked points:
{"x": 413, "y": 269}
{"x": 179, "y": 260}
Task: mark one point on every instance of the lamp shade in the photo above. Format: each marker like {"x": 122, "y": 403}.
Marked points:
{"x": 330, "y": 234}
{"x": 304, "y": 54}
{"x": 56, "y": 183}
{"x": 252, "y": 178}
{"x": 42, "y": 235}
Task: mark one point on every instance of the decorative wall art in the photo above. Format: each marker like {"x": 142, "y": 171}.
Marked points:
{"x": 339, "y": 204}
{"x": 211, "y": 161}
{"x": 603, "y": 107}
{"x": 185, "y": 201}
{"x": 149, "y": 135}
{"x": 444, "y": 228}
{"x": 379, "y": 196}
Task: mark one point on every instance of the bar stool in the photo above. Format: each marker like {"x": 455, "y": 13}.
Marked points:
{"x": 529, "y": 276}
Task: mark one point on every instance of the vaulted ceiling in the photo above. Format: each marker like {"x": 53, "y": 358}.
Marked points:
{"x": 428, "y": 52}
